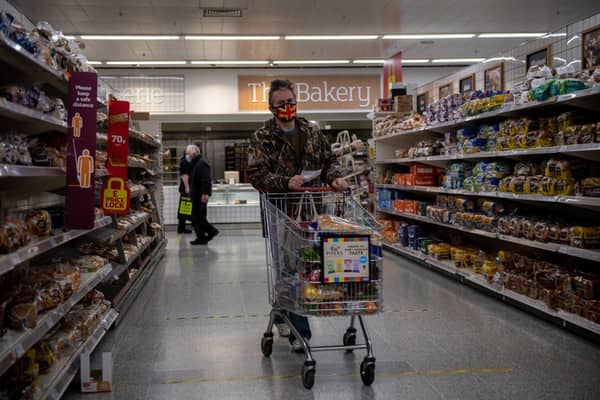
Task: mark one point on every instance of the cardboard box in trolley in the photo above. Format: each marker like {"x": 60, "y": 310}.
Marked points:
{"x": 96, "y": 381}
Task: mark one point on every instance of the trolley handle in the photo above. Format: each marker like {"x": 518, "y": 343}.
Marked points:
{"x": 315, "y": 189}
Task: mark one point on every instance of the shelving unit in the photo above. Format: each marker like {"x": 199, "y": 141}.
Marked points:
{"x": 54, "y": 384}
{"x": 26, "y": 184}
{"x": 585, "y": 102}
{"x": 587, "y": 254}
{"x": 559, "y": 317}
{"x": 15, "y": 343}
{"x": 588, "y": 99}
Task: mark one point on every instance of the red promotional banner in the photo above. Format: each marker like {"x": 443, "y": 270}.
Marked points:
{"x": 115, "y": 195}
{"x": 392, "y": 72}
{"x": 81, "y": 150}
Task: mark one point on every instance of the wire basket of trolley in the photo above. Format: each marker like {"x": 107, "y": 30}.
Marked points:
{"x": 324, "y": 259}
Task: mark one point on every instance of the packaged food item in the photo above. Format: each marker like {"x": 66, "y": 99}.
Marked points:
{"x": 532, "y": 184}
{"x": 591, "y": 187}
{"x": 525, "y": 169}
{"x": 547, "y": 186}
{"x": 332, "y": 223}
{"x": 564, "y": 187}
{"x": 584, "y": 237}
{"x": 517, "y": 185}
{"x": 39, "y": 223}
{"x": 587, "y": 134}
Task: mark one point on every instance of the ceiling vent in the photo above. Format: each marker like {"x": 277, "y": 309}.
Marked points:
{"x": 222, "y": 13}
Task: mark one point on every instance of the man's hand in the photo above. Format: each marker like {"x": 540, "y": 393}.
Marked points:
{"x": 204, "y": 198}
{"x": 295, "y": 183}
{"x": 187, "y": 190}
{"x": 340, "y": 184}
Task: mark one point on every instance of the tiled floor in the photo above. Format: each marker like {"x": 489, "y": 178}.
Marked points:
{"x": 195, "y": 330}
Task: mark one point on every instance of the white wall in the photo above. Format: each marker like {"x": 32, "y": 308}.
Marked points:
{"x": 215, "y": 91}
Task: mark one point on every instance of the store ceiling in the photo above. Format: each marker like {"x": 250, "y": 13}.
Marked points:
{"x": 306, "y": 17}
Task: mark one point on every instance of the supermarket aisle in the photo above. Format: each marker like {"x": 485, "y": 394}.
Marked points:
{"x": 194, "y": 333}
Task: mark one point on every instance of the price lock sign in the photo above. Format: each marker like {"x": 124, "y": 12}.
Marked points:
{"x": 115, "y": 195}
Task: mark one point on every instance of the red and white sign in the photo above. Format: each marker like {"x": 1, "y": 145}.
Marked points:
{"x": 115, "y": 195}
{"x": 392, "y": 73}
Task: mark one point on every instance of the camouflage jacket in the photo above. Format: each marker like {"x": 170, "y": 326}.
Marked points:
{"x": 272, "y": 158}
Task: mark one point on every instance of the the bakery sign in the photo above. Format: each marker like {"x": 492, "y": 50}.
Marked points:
{"x": 329, "y": 92}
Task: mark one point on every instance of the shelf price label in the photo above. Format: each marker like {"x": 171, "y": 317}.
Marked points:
{"x": 81, "y": 150}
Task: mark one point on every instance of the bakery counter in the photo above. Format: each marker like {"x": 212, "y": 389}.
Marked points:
{"x": 229, "y": 204}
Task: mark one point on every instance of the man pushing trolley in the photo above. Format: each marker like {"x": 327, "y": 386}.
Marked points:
{"x": 323, "y": 254}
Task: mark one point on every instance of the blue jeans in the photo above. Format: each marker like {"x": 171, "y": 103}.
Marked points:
{"x": 300, "y": 323}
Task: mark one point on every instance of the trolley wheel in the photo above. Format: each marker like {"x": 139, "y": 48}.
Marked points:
{"x": 367, "y": 371}
{"x": 350, "y": 338}
{"x": 266, "y": 345}
{"x": 308, "y": 374}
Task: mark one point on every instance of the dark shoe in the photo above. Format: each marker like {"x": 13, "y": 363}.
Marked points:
{"x": 198, "y": 241}
{"x": 183, "y": 231}
{"x": 212, "y": 235}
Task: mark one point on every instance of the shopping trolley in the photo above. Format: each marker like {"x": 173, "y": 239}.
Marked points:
{"x": 320, "y": 265}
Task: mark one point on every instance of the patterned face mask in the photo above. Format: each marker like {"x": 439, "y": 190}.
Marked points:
{"x": 286, "y": 111}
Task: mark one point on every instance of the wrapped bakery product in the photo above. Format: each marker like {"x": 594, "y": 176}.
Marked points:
{"x": 587, "y": 134}
{"x": 547, "y": 186}
{"x": 532, "y": 184}
{"x": 50, "y": 295}
{"x": 332, "y": 223}
{"x": 564, "y": 187}
{"x": 517, "y": 185}
{"x": 591, "y": 187}
{"x": 39, "y": 223}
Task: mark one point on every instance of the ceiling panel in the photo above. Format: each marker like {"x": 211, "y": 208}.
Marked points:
{"x": 306, "y": 17}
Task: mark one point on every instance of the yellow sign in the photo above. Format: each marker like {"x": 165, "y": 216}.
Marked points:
{"x": 328, "y": 92}
{"x": 115, "y": 196}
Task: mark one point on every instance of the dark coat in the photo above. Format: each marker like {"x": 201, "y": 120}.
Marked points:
{"x": 200, "y": 180}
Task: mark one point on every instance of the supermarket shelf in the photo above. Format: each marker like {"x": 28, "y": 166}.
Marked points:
{"x": 15, "y": 343}
{"x": 587, "y": 254}
{"x": 588, "y": 99}
{"x": 31, "y": 71}
{"x": 26, "y": 171}
{"x": 118, "y": 269}
{"x": 137, "y": 282}
{"x": 101, "y": 138}
{"x": 141, "y": 218}
{"x": 560, "y": 317}
{"x": 138, "y": 193}
{"x": 587, "y": 151}
{"x": 32, "y": 250}
{"x": 106, "y": 235}
{"x": 579, "y": 201}
{"x": 54, "y": 385}
{"x": 100, "y": 173}
{"x": 143, "y": 138}
{"x": 27, "y": 120}
{"x": 362, "y": 171}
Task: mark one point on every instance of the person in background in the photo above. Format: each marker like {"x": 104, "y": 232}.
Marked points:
{"x": 201, "y": 190}
{"x": 285, "y": 146}
{"x": 185, "y": 169}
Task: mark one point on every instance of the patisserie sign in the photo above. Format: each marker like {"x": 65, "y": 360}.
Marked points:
{"x": 345, "y": 259}
{"x": 81, "y": 150}
{"x": 334, "y": 92}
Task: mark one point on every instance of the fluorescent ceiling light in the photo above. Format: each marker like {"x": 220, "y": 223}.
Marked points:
{"x": 368, "y": 61}
{"x": 499, "y": 59}
{"x": 95, "y": 62}
{"x": 129, "y": 37}
{"x": 509, "y": 35}
{"x": 146, "y": 62}
{"x": 229, "y": 62}
{"x": 312, "y": 62}
{"x": 432, "y": 36}
{"x": 228, "y": 37}
{"x": 457, "y": 60}
{"x": 576, "y": 37}
{"x": 70, "y": 37}
{"x": 414, "y": 61}
{"x": 560, "y": 59}
{"x": 331, "y": 37}
{"x": 549, "y": 35}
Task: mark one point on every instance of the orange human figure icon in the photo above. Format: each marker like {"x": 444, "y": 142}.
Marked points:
{"x": 77, "y": 123}
{"x": 85, "y": 168}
